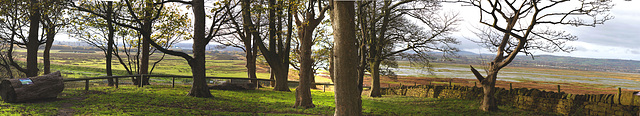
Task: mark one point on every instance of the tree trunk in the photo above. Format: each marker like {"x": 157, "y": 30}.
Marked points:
{"x": 272, "y": 76}
{"x": 251, "y": 65}
{"x": 313, "y": 80}
{"x": 33, "y": 43}
{"x": 281, "y": 76}
{"x": 303, "y": 92}
{"x": 488, "y": 87}
{"x": 109, "y": 43}
{"x": 199, "y": 87}
{"x": 331, "y": 66}
{"x": 361, "y": 67}
{"x": 146, "y": 35}
{"x": 375, "y": 78}
{"x": 50, "y": 34}
{"x": 347, "y": 96}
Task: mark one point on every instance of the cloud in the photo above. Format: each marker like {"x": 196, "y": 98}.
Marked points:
{"x": 618, "y": 38}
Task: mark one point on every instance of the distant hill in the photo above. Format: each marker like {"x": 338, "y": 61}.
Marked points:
{"x": 559, "y": 62}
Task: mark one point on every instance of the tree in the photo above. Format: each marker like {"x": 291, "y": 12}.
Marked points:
{"x": 347, "y": 95}
{"x": 200, "y": 40}
{"x": 277, "y": 53}
{"x": 52, "y": 21}
{"x": 140, "y": 19}
{"x": 4, "y": 60}
{"x": 169, "y": 28}
{"x": 321, "y": 52}
{"x": 388, "y": 34}
{"x": 12, "y": 24}
{"x": 107, "y": 9}
{"x": 33, "y": 42}
{"x": 513, "y": 30}
{"x": 306, "y": 28}
{"x": 24, "y": 16}
{"x": 241, "y": 39}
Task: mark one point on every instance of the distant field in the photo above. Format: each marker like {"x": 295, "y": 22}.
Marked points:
{"x": 541, "y": 78}
{"x": 76, "y": 65}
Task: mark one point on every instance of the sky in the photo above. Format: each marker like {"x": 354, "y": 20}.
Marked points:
{"x": 618, "y": 38}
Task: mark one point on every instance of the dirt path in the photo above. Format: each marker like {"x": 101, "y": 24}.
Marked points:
{"x": 65, "y": 108}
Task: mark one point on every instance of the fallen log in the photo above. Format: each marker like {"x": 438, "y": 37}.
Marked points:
{"x": 32, "y": 88}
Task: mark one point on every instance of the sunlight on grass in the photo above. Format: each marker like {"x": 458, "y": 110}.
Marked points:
{"x": 164, "y": 100}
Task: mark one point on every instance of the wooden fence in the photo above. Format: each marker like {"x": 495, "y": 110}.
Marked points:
{"x": 173, "y": 79}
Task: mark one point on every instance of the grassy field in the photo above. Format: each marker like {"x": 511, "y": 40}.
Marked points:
{"x": 93, "y": 65}
{"x": 572, "y": 81}
{"x": 164, "y": 100}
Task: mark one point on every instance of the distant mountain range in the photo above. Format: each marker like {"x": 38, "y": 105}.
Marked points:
{"x": 559, "y": 62}
{"x": 180, "y": 46}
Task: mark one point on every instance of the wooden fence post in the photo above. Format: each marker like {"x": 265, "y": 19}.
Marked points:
{"x": 324, "y": 88}
{"x": 510, "y": 86}
{"x": 619, "y": 94}
{"x": 117, "y": 82}
{"x": 173, "y": 82}
{"x": 558, "y": 88}
{"x": 141, "y": 78}
{"x": 86, "y": 85}
{"x": 449, "y": 82}
{"x": 415, "y": 84}
{"x": 474, "y": 84}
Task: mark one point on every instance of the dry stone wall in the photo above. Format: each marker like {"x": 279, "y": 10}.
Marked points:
{"x": 623, "y": 104}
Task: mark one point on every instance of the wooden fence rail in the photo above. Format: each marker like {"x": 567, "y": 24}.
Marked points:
{"x": 173, "y": 80}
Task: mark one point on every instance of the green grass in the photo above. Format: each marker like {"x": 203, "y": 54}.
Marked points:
{"x": 164, "y": 100}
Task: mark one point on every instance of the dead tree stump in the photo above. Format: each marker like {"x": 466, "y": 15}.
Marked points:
{"x": 24, "y": 89}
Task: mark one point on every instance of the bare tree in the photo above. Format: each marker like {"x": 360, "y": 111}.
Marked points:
{"x": 387, "y": 32}
{"x": 513, "y": 29}
{"x": 347, "y": 95}
{"x": 241, "y": 39}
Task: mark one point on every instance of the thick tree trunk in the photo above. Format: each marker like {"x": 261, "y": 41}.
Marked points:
{"x": 348, "y": 102}
{"x": 109, "y": 43}
{"x": 375, "y": 79}
{"x": 281, "y": 76}
{"x": 488, "y": 87}
{"x": 146, "y": 35}
{"x": 303, "y": 92}
{"x": 33, "y": 43}
{"x": 199, "y": 87}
